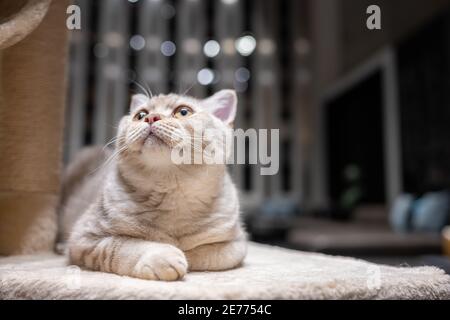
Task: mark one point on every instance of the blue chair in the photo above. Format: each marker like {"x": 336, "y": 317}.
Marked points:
{"x": 430, "y": 213}
{"x": 400, "y": 214}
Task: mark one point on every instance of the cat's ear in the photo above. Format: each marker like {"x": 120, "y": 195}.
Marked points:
{"x": 223, "y": 105}
{"x": 137, "y": 101}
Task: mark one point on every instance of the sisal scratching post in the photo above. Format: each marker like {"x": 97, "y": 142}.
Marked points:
{"x": 33, "y": 38}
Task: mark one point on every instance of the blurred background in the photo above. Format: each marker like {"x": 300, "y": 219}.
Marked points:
{"x": 363, "y": 114}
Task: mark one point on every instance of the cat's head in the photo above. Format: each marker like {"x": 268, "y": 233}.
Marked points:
{"x": 158, "y": 125}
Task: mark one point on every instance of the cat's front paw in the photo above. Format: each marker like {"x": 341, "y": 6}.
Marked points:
{"x": 166, "y": 264}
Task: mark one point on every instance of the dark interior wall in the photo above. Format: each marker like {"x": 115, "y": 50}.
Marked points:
{"x": 398, "y": 19}
{"x": 420, "y": 32}
{"x": 341, "y": 42}
{"x": 424, "y": 84}
{"x": 355, "y": 144}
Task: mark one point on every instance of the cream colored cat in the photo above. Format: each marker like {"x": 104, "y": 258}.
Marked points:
{"x": 145, "y": 216}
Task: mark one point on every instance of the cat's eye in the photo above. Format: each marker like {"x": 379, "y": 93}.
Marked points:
{"x": 141, "y": 115}
{"x": 182, "y": 111}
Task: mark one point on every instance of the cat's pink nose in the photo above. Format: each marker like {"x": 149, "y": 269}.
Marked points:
{"x": 152, "y": 118}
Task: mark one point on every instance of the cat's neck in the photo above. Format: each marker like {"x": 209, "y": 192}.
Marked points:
{"x": 146, "y": 179}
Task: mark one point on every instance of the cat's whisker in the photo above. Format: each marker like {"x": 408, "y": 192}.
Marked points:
{"x": 105, "y": 163}
{"x": 132, "y": 136}
{"x": 189, "y": 88}
{"x": 182, "y": 135}
{"x": 142, "y": 88}
{"x": 194, "y": 146}
{"x": 148, "y": 88}
{"x": 173, "y": 131}
{"x": 146, "y": 85}
{"x": 115, "y": 154}
{"x": 110, "y": 142}
{"x": 186, "y": 138}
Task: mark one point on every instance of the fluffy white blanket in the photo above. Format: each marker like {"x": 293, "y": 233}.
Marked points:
{"x": 268, "y": 273}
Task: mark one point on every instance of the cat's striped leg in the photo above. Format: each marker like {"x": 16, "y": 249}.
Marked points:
{"x": 217, "y": 256}
{"x": 129, "y": 257}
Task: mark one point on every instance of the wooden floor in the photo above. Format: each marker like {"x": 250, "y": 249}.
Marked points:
{"x": 359, "y": 238}
{"x": 367, "y": 236}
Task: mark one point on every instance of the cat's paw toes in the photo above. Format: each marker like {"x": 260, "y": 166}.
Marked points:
{"x": 166, "y": 265}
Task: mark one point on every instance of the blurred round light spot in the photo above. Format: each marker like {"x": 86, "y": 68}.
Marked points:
{"x": 153, "y": 43}
{"x": 168, "y": 11}
{"x": 133, "y": 1}
{"x": 228, "y": 46}
{"x": 168, "y": 48}
{"x": 137, "y": 42}
{"x": 114, "y": 39}
{"x": 211, "y": 48}
{"x": 229, "y": 2}
{"x": 266, "y": 47}
{"x": 191, "y": 46}
{"x": 205, "y": 76}
{"x": 246, "y": 45}
{"x": 242, "y": 75}
{"x": 100, "y": 50}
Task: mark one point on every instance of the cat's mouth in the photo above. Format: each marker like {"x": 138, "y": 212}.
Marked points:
{"x": 161, "y": 136}
{"x": 151, "y": 135}
{"x": 153, "y": 139}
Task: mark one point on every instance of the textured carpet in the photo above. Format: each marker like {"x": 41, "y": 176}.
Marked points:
{"x": 268, "y": 273}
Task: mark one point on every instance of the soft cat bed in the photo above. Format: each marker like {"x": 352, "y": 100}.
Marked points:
{"x": 268, "y": 273}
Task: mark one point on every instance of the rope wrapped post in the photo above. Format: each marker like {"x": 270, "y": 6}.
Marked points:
{"x": 33, "y": 50}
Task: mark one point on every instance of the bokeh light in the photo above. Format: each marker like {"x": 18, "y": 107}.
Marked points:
{"x": 245, "y": 45}
{"x": 242, "y": 74}
{"x": 168, "y": 11}
{"x": 229, "y": 2}
{"x": 137, "y": 42}
{"x": 205, "y": 76}
{"x": 211, "y": 48}
{"x": 168, "y": 48}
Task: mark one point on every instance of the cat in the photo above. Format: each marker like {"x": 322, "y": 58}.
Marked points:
{"x": 141, "y": 215}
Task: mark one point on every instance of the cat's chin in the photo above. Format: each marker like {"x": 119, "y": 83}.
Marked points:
{"x": 153, "y": 142}
{"x": 155, "y": 151}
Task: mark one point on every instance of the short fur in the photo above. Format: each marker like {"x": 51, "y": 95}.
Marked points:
{"x": 147, "y": 217}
